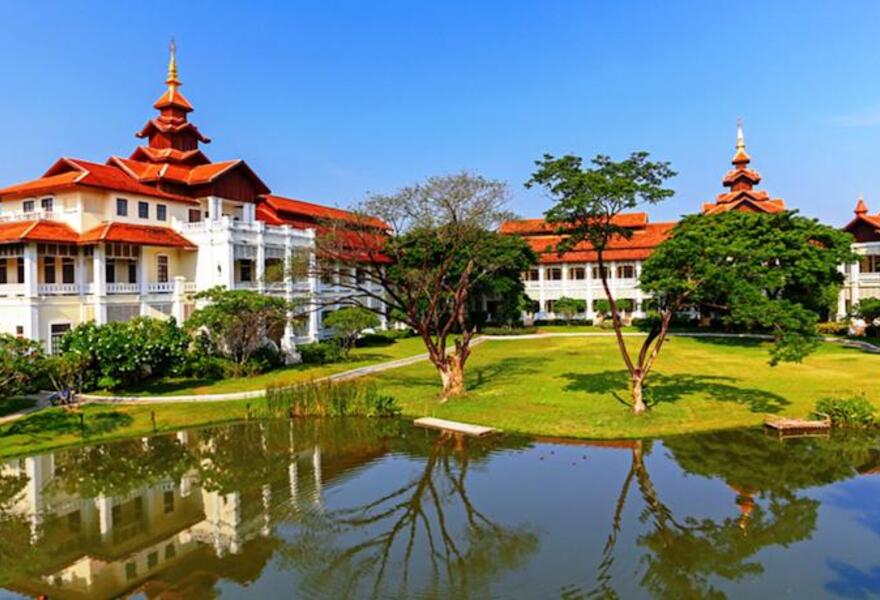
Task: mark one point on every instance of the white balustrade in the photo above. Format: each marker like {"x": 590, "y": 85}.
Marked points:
{"x": 189, "y": 287}
{"x": 12, "y": 289}
{"x": 163, "y": 287}
{"x": 123, "y": 288}
{"x": 58, "y": 289}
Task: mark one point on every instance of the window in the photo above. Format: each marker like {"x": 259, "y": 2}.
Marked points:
{"x": 554, "y": 274}
{"x": 360, "y": 275}
{"x": 27, "y": 206}
{"x": 122, "y": 207}
{"x": 143, "y": 210}
{"x": 56, "y": 332}
{"x": 46, "y": 204}
{"x": 577, "y": 273}
{"x": 161, "y": 212}
{"x": 195, "y": 215}
{"x": 131, "y": 570}
{"x": 168, "y": 499}
{"x": 3, "y": 273}
{"x": 170, "y": 552}
{"x": 162, "y": 269}
{"x": 532, "y": 275}
{"x": 626, "y": 271}
{"x": 68, "y": 274}
{"x": 597, "y": 274}
{"x": 132, "y": 272}
{"x": 19, "y": 331}
{"x": 49, "y": 269}
{"x": 19, "y": 268}
{"x": 152, "y": 560}
{"x": 110, "y": 271}
{"x": 244, "y": 270}
{"x": 870, "y": 264}
{"x": 549, "y": 305}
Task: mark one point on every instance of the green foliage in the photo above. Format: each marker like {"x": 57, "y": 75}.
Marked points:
{"x": 320, "y": 353}
{"x": 569, "y": 307}
{"x": 21, "y": 363}
{"x": 238, "y": 323}
{"x": 348, "y": 323}
{"x": 67, "y": 371}
{"x": 330, "y": 399}
{"x": 832, "y": 328}
{"x": 868, "y": 309}
{"x": 851, "y": 411}
{"x": 773, "y": 272}
{"x": 508, "y": 330}
{"x": 118, "y": 355}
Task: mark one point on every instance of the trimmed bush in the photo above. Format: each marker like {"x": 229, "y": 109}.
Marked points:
{"x": 832, "y": 328}
{"x": 508, "y": 330}
{"x": 320, "y": 353}
{"x": 854, "y": 411}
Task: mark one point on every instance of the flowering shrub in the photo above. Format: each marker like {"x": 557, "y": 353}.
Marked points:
{"x": 20, "y": 364}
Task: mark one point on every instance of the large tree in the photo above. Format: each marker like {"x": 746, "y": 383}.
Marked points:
{"x": 587, "y": 209}
{"x": 442, "y": 254}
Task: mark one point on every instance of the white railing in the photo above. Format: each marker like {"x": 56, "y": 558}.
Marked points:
{"x": 163, "y": 287}
{"x": 189, "y": 287}
{"x": 12, "y": 289}
{"x": 58, "y": 289}
{"x": 36, "y": 215}
{"x": 196, "y": 227}
{"x": 245, "y": 285}
{"x": 123, "y": 288}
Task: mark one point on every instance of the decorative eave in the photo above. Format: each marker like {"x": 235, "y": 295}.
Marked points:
{"x": 162, "y": 125}
{"x": 169, "y": 155}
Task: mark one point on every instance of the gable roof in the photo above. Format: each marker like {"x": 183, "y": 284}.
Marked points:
{"x": 143, "y": 235}
{"x": 37, "y": 231}
{"x": 538, "y": 226}
{"x": 278, "y": 210}
{"x": 69, "y": 173}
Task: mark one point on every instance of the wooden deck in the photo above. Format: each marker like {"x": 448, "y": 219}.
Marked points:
{"x": 794, "y": 427}
{"x": 455, "y": 427}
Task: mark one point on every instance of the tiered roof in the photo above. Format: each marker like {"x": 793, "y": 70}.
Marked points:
{"x": 741, "y": 181}
{"x": 865, "y": 227}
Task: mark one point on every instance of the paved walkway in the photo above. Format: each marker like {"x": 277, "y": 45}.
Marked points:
{"x": 43, "y": 402}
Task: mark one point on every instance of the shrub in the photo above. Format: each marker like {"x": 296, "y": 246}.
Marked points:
{"x": 853, "y": 411}
{"x": 372, "y": 340}
{"x": 320, "y": 353}
{"x": 832, "y": 328}
{"x": 118, "y": 355}
{"x": 264, "y": 360}
{"x": 330, "y": 399}
{"x": 348, "y": 323}
{"x": 21, "y": 363}
{"x": 509, "y": 330}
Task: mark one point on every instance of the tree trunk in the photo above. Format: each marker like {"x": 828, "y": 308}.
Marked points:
{"x": 638, "y": 403}
{"x": 452, "y": 376}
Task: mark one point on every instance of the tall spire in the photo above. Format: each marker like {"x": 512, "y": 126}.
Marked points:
{"x": 861, "y": 207}
{"x": 172, "y": 80}
{"x": 741, "y": 158}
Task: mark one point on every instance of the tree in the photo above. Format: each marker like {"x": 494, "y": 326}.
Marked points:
{"x": 589, "y": 202}
{"x": 868, "y": 309}
{"x": 772, "y": 272}
{"x": 348, "y": 323}
{"x": 444, "y": 254}
{"x": 21, "y": 363}
{"x": 239, "y": 322}
{"x": 569, "y": 307}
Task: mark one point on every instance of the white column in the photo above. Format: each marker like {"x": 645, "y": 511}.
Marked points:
{"x": 105, "y": 515}
{"x": 564, "y": 279}
{"x": 80, "y": 274}
{"x": 639, "y": 310}
{"x": 591, "y": 314}
{"x": 314, "y": 316}
{"x": 178, "y": 303}
{"x": 261, "y": 254}
{"x": 31, "y": 271}
{"x": 319, "y": 480}
{"x": 542, "y": 279}
{"x": 143, "y": 276}
{"x": 100, "y": 285}
{"x": 293, "y": 474}
{"x": 855, "y": 292}
{"x": 215, "y": 208}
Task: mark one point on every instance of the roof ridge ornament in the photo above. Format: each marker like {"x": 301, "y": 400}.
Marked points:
{"x": 740, "y": 140}
{"x": 861, "y": 207}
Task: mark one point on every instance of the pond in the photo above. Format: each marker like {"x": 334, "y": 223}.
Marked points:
{"x": 378, "y": 509}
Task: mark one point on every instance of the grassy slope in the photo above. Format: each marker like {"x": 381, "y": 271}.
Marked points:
{"x": 360, "y": 357}
{"x": 577, "y": 387}
{"x": 555, "y": 386}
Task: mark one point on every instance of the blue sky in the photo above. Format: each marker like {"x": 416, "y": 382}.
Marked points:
{"x": 328, "y": 101}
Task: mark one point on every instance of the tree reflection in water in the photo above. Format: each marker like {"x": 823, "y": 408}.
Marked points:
{"x": 430, "y": 524}
{"x": 684, "y": 553}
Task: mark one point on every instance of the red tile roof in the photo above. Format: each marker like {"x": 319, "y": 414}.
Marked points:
{"x": 69, "y": 173}
{"x": 278, "y": 210}
{"x": 534, "y": 226}
{"x": 37, "y": 231}
{"x": 638, "y": 247}
{"x": 173, "y": 97}
{"x": 143, "y": 235}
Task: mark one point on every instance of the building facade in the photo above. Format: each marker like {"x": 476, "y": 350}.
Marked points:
{"x": 863, "y": 275}
{"x": 140, "y": 235}
{"x": 575, "y": 273}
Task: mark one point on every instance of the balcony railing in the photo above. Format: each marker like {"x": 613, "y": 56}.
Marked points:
{"x": 12, "y": 289}
{"x": 164, "y": 287}
{"x": 36, "y": 215}
{"x": 59, "y": 289}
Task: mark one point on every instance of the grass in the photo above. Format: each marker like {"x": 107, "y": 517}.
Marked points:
{"x": 577, "y": 387}
{"x": 359, "y": 357}
{"x": 11, "y": 405}
{"x": 570, "y": 387}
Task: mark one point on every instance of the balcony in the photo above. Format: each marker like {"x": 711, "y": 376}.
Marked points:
{"x": 37, "y": 215}
{"x": 10, "y": 290}
{"x": 59, "y": 289}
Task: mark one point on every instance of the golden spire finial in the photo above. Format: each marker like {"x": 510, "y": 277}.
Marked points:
{"x": 172, "y": 80}
{"x": 740, "y": 140}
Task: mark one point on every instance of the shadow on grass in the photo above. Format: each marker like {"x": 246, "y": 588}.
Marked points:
{"x": 11, "y": 405}
{"x": 727, "y": 342}
{"x": 496, "y": 372}
{"x": 672, "y": 388}
{"x": 62, "y": 422}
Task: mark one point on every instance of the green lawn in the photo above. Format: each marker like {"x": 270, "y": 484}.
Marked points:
{"x": 360, "y": 357}
{"x": 577, "y": 387}
{"x": 572, "y": 387}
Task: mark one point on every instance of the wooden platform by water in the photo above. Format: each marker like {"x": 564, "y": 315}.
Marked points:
{"x": 791, "y": 427}
{"x": 455, "y": 427}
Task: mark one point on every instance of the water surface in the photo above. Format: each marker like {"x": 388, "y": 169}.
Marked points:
{"x": 377, "y": 509}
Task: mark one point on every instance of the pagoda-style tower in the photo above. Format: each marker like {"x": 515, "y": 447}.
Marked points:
{"x": 741, "y": 181}
{"x": 171, "y": 137}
